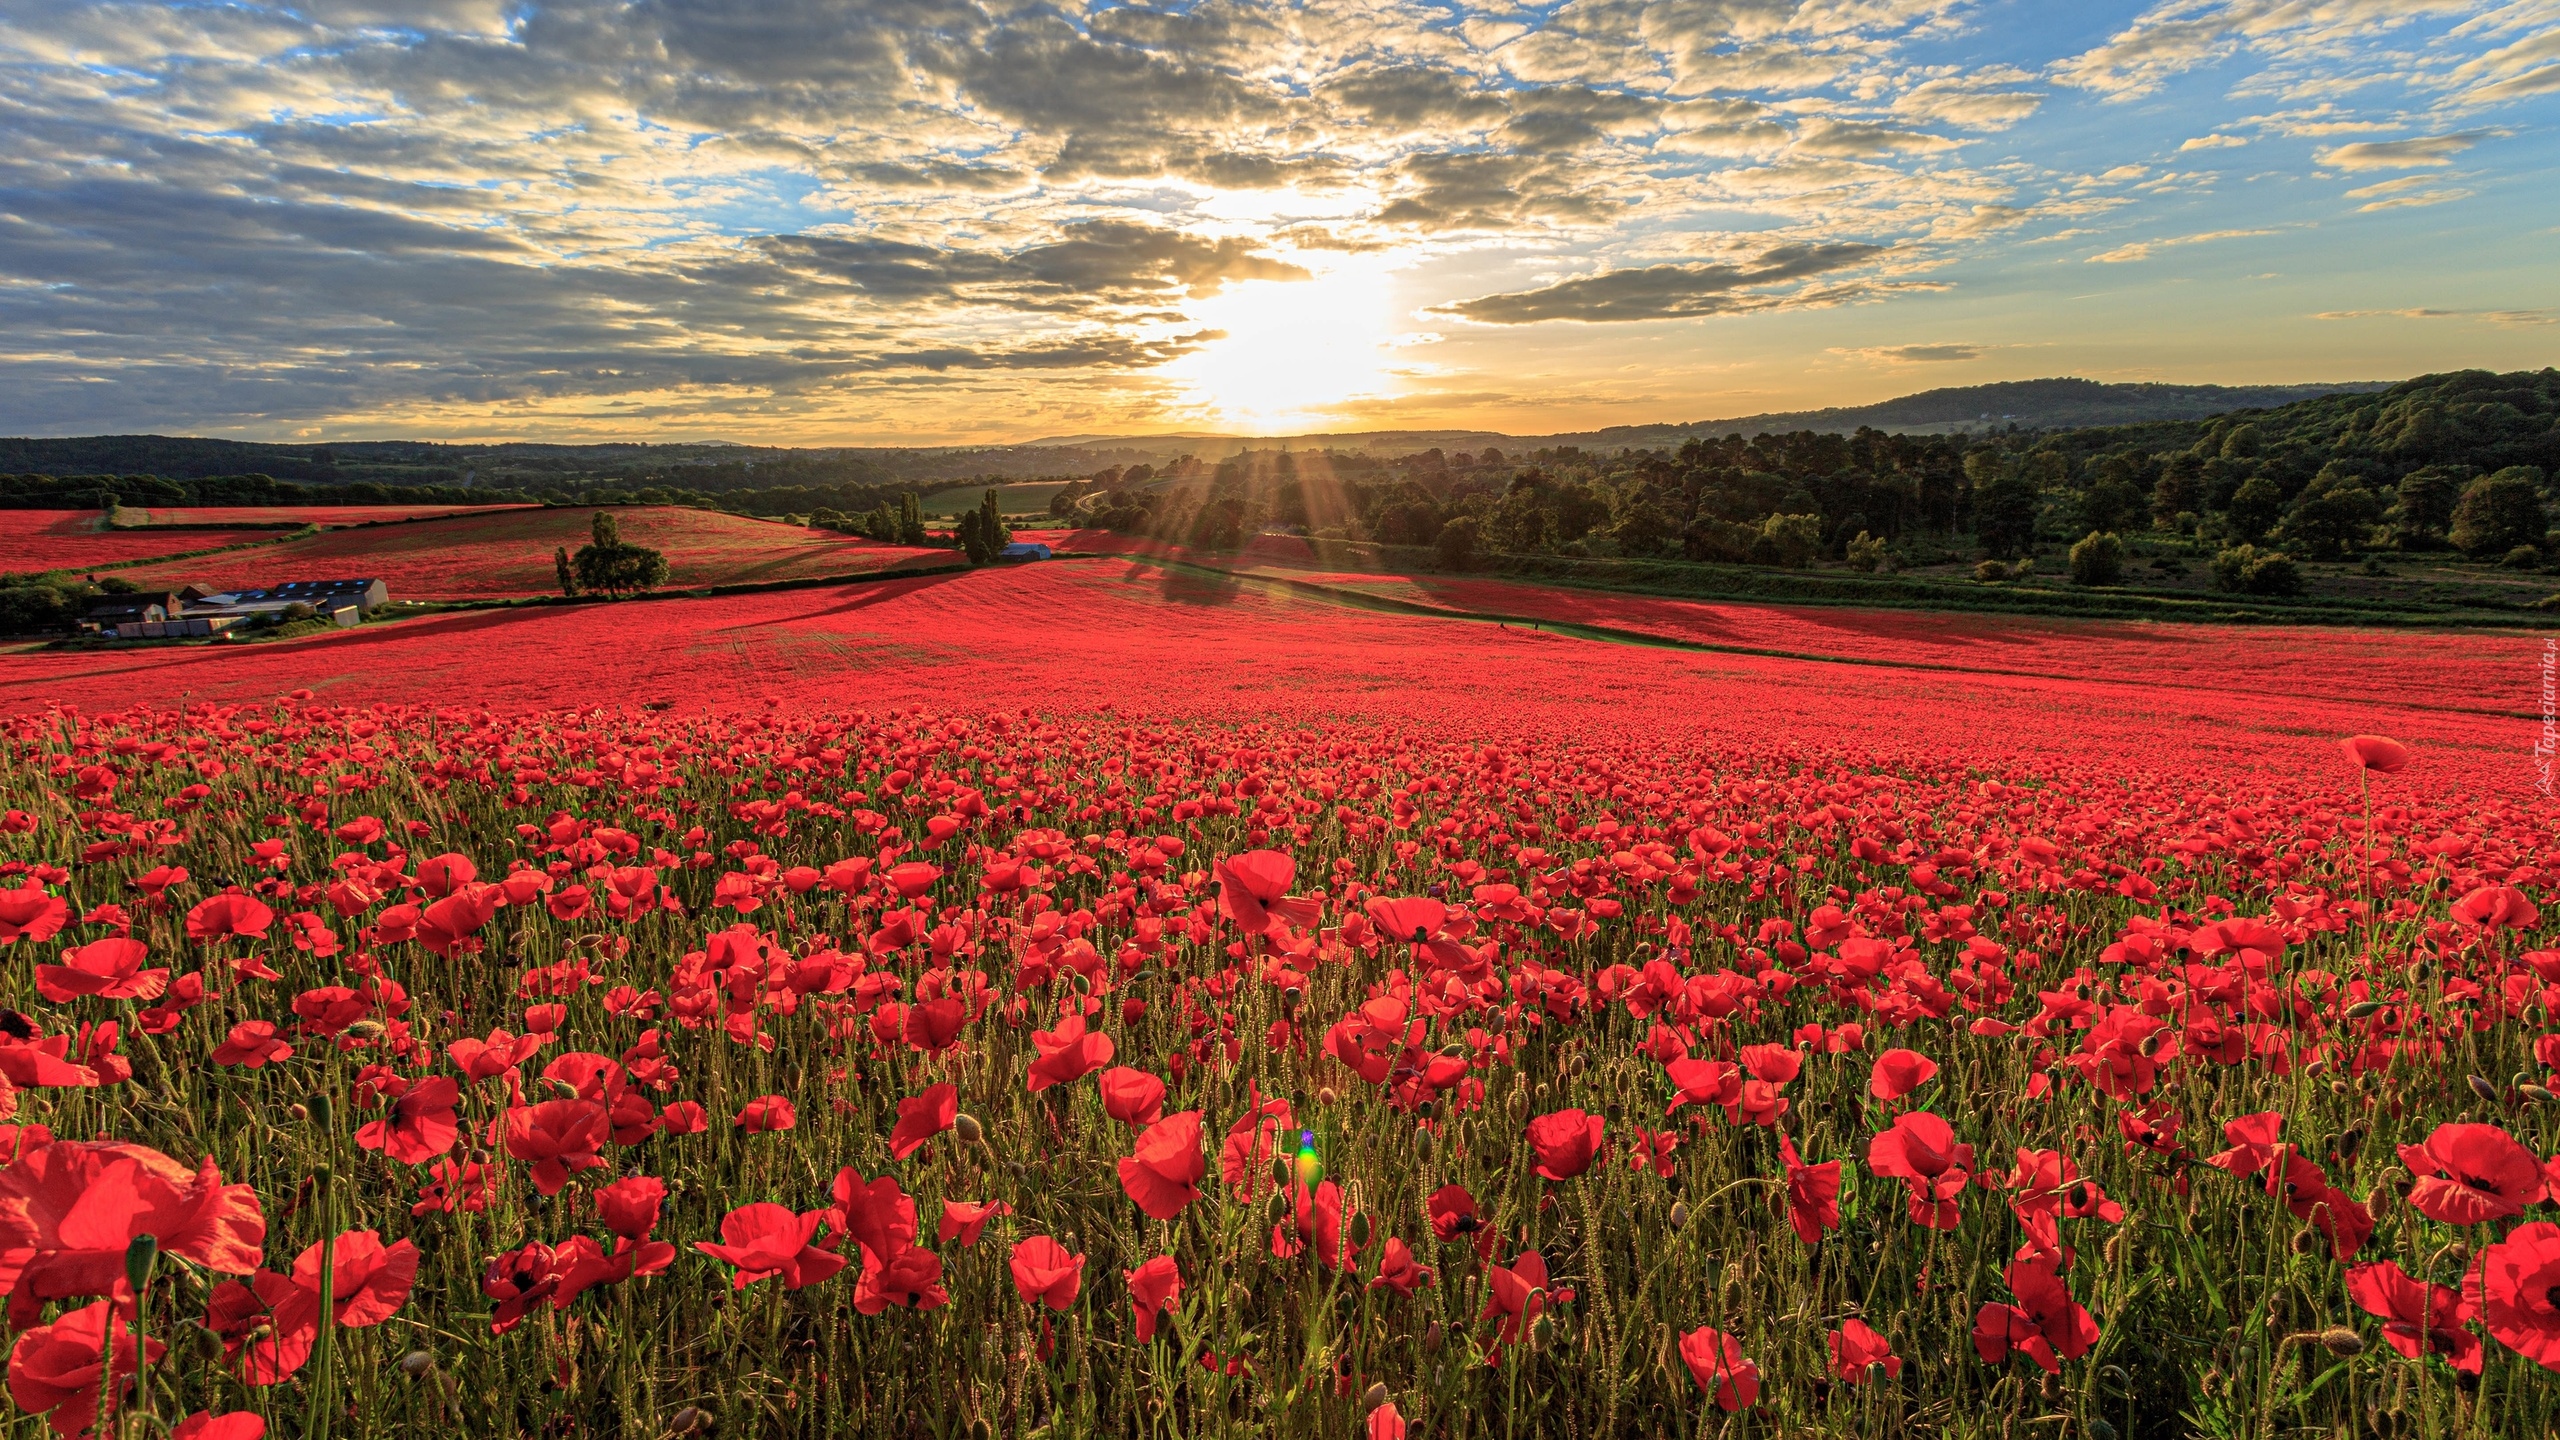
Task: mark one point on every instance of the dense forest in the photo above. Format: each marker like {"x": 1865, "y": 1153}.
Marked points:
{"x": 2461, "y": 462}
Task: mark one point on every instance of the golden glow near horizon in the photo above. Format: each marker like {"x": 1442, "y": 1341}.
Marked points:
{"x": 1290, "y": 354}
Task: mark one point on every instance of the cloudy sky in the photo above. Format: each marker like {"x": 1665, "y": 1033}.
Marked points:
{"x": 812, "y": 221}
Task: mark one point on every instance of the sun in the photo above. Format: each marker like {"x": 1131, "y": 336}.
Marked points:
{"x": 1290, "y": 351}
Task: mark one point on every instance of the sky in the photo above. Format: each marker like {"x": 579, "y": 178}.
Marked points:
{"x": 965, "y": 221}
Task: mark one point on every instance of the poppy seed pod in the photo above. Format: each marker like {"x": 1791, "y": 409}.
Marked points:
{"x": 691, "y": 1420}
{"x": 2339, "y": 1340}
{"x": 417, "y": 1364}
{"x": 1376, "y": 1396}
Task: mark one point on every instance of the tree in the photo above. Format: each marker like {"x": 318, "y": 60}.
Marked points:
{"x": 610, "y": 567}
{"x": 1454, "y": 548}
{"x": 2334, "y": 513}
{"x": 2255, "y": 508}
{"x": 2110, "y": 504}
{"x": 568, "y": 576}
{"x": 1868, "y": 553}
{"x": 2005, "y": 498}
{"x": 910, "y": 519}
{"x": 2499, "y": 512}
{"x": 2098, "y": 559}
{"x": 2423, "y": 508}
{"x": 2178, "y": 491}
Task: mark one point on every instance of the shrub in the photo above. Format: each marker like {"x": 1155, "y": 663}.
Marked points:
{"x": 2248, "y": 570}
{"x": 2097, "y": 560}
{"x": 2523, "y": 557}
{"x": 1869, "y": 553}
{"x": 2499, "y": 512}
{"x": 1793, "y": 539}
{"x": 1712, "y": 539}
{"x": 1990, "y": 570}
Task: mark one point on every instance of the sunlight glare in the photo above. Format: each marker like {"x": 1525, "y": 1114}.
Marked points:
{"x": 1292, "y": 350}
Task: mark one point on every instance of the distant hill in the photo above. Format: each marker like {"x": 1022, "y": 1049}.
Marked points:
{"x": 2057, "y": 404}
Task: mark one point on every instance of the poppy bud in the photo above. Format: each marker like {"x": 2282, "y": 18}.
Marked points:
{"x": 2304, "y": 1242}
{"x": 1543, "y": 1333}
{"x": 1360, "y": 1232}
{"x": 300, "y": 1113}
{"x": 691, "y": 1420}
{"x": 416, "y": 1364}
{"x": 2539, "y": 1095}
{"x": 1290, "y": 997}
{"x": 1281, "y": 1174}
{"x": 139, "y": 1258}
{"x": 321, "y": 1174}
{"x": 2482, "y": 1088}
{"x": 2339, "y": 1340}
{"x": 1431, "y": 1338}
{"x": 564, "y": 1089}
{"x": 978, "y": 1430}
{"x": 477, "y": 1156}
{"x": 1376, "y": 1397}
{"x": 318, "y": 1108}
{"x": 1422, "y": 1143}
{"x": 1541, "y": 1090}
{"x": 366, "y": 1029}
{"x": 1680, "y": 1215}
{"x": 1325, "y": 1096}
{"x": 969, "y": 1130}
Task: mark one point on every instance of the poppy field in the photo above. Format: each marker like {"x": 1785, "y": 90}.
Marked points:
{"x": 508, "y": 553}
{"x": 37, "y": 540}
{"x": 894, "y": 1010}
{"x": 322, "y": 515}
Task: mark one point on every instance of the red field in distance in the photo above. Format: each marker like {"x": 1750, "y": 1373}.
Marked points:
{"x": 508, "y": 553}
{"x": 328, "y": 515}
{"x": 35, "y": 540}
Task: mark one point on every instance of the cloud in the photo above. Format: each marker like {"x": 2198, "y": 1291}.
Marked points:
{"x": 2401, "y": 154}
{"x": 1914, "y": 354}
{"x": 2504, "y": 319}
{"x": 1657, "y": 292}
{"x": 1859, "y": 140}
{"x": 2145, "y": 249}
{"x": 2213, "y": 142}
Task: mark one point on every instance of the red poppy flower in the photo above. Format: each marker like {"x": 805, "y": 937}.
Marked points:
{"x": 500, "y": 1053}
{"x": 2046, "y": 1325}
{"x": 1163, "y": 1171}
{"x": 227, "y": 915}
{"x": 559, "y": 1138}
{"x": 1517, "y": 1293}
{"x": 766, "y": 1114}
{"x": 765, "y": 1240}
{"x": 110, "y": 969}
{"x": 629, "y": 1206}
{"x": 2515, "y": 1288}
{"x": 250, "y": 1320}
{"x": 1921, "y": 1151}
{"x": 368, "y": 1281}
{"x": 933, "y": 1025}
{"x": 1384, "y": 1423}
{"x": 1067, "y": 1053}
{"x": 2497, "y": 907}
{"x": 69, "y": 1210}
{"x": 1253, "y": 891}
{"x": 230, "y": 1425}
{"x": 1566, "y": 1142}
{"x": 1045, "y": 1273}
{"x": 2374, "y": 753}
{"x": 684, "y": 1117}
{"x": 2418, "y": 1319}
{"x": 29, "y": 912}
{"x": 1856, "y": 1349}
{"x": 1314, "y": 1221}
{"x": 1154, "y": 1287}
{"x": 59, "y": 1370}
{"x": 1132, "y": 1097}
{"x": 1250, "y": 1142}
{"x": 1813, "y": 1194}
{"x": 2472, "y": 1174}
{"x": 252, "y": 1043}
{"x": 921, "y": 1117}
{"x": 1453, "y": 1213}
{"x": 1398, "y": 1270}
{"x": 1715, "y": 1361}
{"x": 421, "y": 1125}
{"x": 1899, "y": 1072}
{"x": 1704, "y": 1082}
{"x": 965, "y": 1218}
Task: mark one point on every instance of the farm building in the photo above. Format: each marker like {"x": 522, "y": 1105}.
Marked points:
{"x": 1022, "y": 550}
